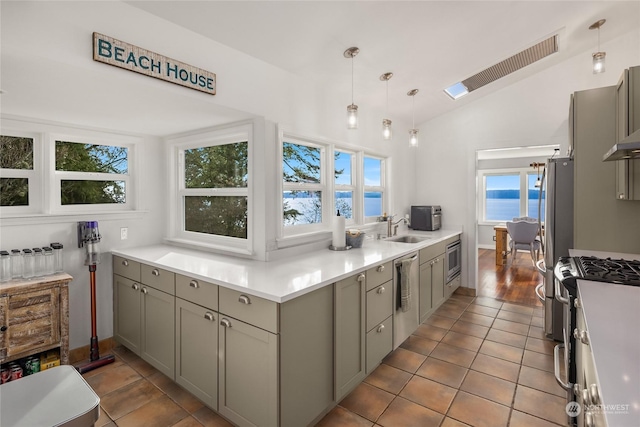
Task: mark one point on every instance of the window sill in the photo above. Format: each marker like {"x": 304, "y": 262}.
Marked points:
{"x": 208, "y": 247}
{"x": 30, "y": 219}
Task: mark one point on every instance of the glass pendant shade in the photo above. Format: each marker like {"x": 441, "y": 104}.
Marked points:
{"x": 386, "y": 129}
{"x": 598, "y": 62}
{"x": 413, "y": 138}
{"x": 352, "y": 116}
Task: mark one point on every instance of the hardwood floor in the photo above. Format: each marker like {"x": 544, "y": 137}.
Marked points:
{"x": 514, "y": 282}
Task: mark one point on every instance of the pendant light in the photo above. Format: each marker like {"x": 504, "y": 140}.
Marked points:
{"x": 413, "y": 133}
{"x": 386, "y": 123}
{"x": 599, "y": 56}
{"x": 352, "y": 110}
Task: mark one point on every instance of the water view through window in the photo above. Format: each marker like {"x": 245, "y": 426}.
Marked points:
{"x": 502, "y": 197}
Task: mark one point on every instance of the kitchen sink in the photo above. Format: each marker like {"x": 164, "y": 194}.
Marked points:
{"x": 408, "y": 239}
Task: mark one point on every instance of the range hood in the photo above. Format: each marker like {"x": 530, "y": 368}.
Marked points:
{"x": 628, "y": 148}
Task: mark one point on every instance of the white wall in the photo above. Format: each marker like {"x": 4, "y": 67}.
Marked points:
{"x": 48, "y": 75}
{"x": 533, "y": 111}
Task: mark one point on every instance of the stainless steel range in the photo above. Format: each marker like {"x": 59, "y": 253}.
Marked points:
{"x": 581, "y": 383}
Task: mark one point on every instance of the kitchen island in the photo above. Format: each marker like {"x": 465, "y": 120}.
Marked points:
{"x": 270, "y": 343}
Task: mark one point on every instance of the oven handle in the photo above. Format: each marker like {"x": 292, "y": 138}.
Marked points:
{"x": 559, "y": 296}
{"x": 541, "y": 297}
{"x": 556, "y": 367}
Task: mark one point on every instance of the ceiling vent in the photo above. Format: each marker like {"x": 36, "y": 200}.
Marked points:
{"x": 514, "y": 63}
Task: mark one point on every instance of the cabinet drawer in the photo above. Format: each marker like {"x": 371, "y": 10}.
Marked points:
{"x": 378, "y": 275}
{"x": 379, "y": 304}
{"x": 379, "y": 343}
{"x": 197, "y": 291}
{"x": 452, "y": 286}
{"x": 432, "y": 251}
{"x": 158, "y": 278}
{"x": 248, "y": 308}
{"x": 126, "y": 268}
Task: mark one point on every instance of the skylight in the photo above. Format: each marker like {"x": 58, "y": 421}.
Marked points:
{"x": 457, "y": 90}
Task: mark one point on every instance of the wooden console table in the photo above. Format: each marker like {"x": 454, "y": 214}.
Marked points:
{"x": 501, "y": 244}
{"x": 34, "y": 317}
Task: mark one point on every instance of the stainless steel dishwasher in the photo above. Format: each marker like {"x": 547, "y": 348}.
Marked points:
{"x": 405, "y": 322}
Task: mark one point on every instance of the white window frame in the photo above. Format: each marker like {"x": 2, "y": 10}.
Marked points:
{"x": 325, "y": 186}
{"x": 523, "y": 174}
{"x": 298, "y": 234}
{"x": 35, "y": 176}
{"x": 55, "y": 184}
{"x": 211, "y": 137}
{"x": 353, "y": 187}
{"x": 382, "y": 188}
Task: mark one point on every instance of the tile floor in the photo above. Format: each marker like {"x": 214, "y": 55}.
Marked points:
{"x": 475, "y": 362}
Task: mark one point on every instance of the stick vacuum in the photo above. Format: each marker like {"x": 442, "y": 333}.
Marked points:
{"x": 89, "y": 237}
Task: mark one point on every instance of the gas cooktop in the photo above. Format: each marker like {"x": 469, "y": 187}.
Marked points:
{"x": 618, "y": 271}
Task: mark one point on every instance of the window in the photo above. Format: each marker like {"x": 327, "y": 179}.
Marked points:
{"x": 373, "y": 187}
{"x": 344, "y": 186}
{"x": 320, "y": 178}
{"x": 510, "y": 194}
{"x": 91, "y": 174}
{"x": 17, "y": 172}
{"x": 216, "y": 169}
{"x": 303, "y": 184}
{"x": 212, "y": 188}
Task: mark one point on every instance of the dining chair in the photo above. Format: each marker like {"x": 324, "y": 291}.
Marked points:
{"x": 523, "y": 236}
{"x": 525, "y": 218}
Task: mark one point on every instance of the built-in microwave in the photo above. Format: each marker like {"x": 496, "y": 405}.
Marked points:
{"x": 453, "y": 260}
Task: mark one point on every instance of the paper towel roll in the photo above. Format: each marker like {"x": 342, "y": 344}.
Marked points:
{"x": 339, "y": 236}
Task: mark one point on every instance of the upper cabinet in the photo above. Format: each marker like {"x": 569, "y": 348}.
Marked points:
{"x": 628, "y": 122}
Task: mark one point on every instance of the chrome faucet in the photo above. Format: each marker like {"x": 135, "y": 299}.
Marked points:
{"x": 395, "y": 224}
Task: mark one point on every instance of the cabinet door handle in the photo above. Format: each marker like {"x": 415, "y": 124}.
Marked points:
{"x": 381, "y": 290}
{"x": 380, "y": 269}
{"x": 380, "y": 328}
{"x": 225, "y": 323}
{"x": 3, "y": 328}
{"x": 194, "y": 284}
{"x": 135, "y": 287}
{"x": 145, "y": 291}
{"x": 209, "y": 316}
{"x": 155, "y": 272}
{"x": 125, "y": 263}
{"x": 361, "y": 277}
{"x": 244, "y": 299}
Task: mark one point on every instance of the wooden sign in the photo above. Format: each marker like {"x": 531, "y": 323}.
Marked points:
{"x": 133, "y": 58}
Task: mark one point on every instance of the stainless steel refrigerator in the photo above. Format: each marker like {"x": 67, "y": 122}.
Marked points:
{"x": 558, "y": 236}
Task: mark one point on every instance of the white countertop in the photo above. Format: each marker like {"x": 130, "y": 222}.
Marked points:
{"x": 612, "y": 314}
{"x": 281, "y": 280}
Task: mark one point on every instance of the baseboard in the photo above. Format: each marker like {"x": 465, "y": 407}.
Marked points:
{"x": 82, "y": 353}
{"x": 469, "y": 292}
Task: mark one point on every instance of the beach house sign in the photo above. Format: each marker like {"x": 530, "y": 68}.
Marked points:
{"x": 133, "y": 58}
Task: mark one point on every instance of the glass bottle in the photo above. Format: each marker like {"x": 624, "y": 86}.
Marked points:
{"x": 16, "y": 264}
{"x": 58, "y": 263}
{"x": 48, "y": 260}
{"x": 28, "y": 264}
{"x": 39, "y": 261}
{"x": 5, "y": 266}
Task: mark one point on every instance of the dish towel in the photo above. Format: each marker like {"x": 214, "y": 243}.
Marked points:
{"x": 405, "y": 284}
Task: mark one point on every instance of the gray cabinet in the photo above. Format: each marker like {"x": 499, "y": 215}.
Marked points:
{"x": 379, "y": 324}
{"x": 248, "y": 373}
{"x": 432, "y": 286}
{"x": 350, "y": 350}
{"x": 127, "y": 309}
{"x": 627, "y": 122}
{"x": 451, "y": 287}
{"x": 143, "y": 314}
{"x": 157, "y": 345}
{"x": 197, "y": 350}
